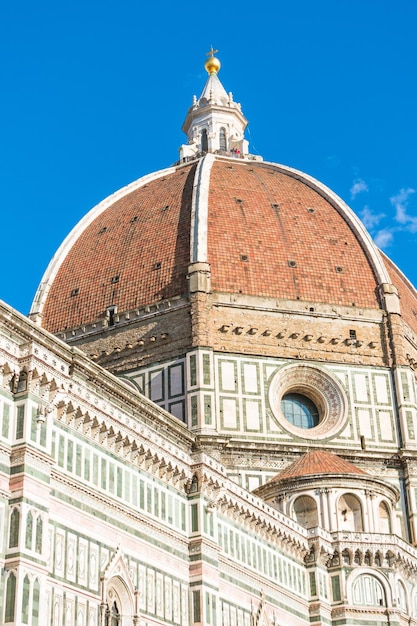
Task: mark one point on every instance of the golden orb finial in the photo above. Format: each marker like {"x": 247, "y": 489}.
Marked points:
{"x": 212, "y": 64}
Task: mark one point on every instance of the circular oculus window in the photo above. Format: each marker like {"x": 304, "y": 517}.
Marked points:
{"x": 307, "y": 401}
{"x": 299, "y": 410}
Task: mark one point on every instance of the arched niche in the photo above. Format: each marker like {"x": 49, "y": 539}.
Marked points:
{"x": 22, "y": 383}
{"x": 305, "y": 511}
{"x": 384, "y": 518}
{"x": 349, "y": 513}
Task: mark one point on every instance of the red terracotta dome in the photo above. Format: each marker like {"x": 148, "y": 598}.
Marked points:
{"x": 317, "y": 463}
{"x": 264, "y": 229}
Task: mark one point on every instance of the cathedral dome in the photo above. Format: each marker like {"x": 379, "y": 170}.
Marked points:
{"x": 265, "y": 230}
{"x": 257, "y": 229}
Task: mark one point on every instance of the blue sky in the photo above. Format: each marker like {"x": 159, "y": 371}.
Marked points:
{"x": 94, "y": 94}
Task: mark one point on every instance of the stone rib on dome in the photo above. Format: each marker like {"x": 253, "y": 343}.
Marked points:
{"x": 317, "y": 462}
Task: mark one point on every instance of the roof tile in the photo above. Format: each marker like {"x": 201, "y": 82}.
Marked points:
{"x": 317, "y": 462}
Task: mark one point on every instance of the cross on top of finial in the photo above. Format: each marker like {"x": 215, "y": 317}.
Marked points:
{"x": 212, "y": 64}
{"x": 211, "y": 52}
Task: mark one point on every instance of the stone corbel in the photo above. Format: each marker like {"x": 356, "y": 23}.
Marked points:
{"x": 199, "y": 277}
{"x": 390, "y": 296}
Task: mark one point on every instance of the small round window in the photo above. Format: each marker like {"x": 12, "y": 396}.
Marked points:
{"x": 299, "y": 410}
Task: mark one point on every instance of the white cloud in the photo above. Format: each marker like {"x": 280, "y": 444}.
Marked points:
{"x": 384, "y": 237}
{"x": 369, "y": 219}
{"x": 359, "y": 186}
{"x": 400, "y": 203}
{"x": 403, "y": 221}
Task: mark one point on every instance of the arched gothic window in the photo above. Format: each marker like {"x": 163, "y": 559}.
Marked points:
{"x": 204, "y": 141}
{"x": 29, "y": 530}
{"x": 222, "y": 139}
{"x": 10, "y": 598}
{"x": 38, "y": 536}
{"x": 35, "y": 603}
{"x": 14, "y": 528}
{"x": 25, "y": 600}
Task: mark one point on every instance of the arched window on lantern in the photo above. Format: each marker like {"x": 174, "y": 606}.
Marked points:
{"x": 204, "y": 140}
{"x": 222, "y": 139}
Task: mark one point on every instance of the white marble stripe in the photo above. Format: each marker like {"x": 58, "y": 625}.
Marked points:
{"x": 199, "y": 210}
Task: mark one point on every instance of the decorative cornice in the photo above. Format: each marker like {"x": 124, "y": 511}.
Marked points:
{"x": 230, "y": 500}
{"x": 395, "y": 553}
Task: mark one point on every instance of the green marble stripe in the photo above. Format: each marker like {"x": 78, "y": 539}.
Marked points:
{"x": 201, "y": 557}
{"x": 27, "y": 469}
{"x": 5, "y": 469}
{"x": 23, "y": 499}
